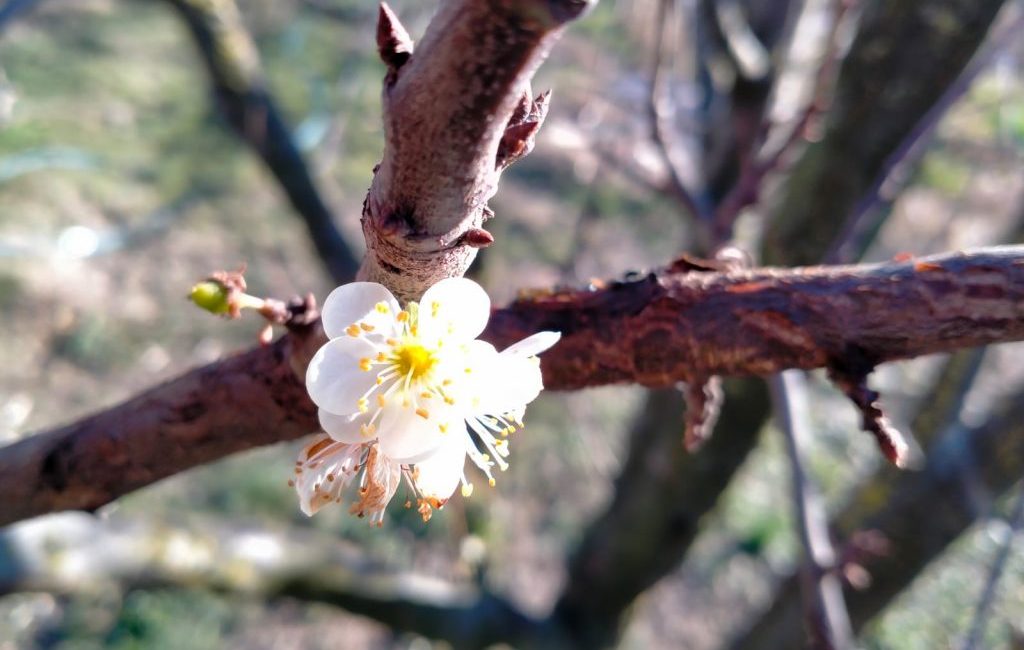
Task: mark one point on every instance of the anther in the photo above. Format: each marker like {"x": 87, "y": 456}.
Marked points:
{"x": 365, "y": 364}
{"x": 381, "y": 401}
{"x": 467, "y": 490}
{"x": 352, "y": 330}
{"x": 366, "y": 327}
{"x": 362, "y": 405}
{"x": 443, "y": 427}
{"x": 402, "y": 316}
{"x": 423, "y": 413}
{"x": 382, "y": 308}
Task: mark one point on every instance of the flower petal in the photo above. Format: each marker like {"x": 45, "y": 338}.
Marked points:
{"x": 454, "y": 309}
{"x": 344, "y": 428}
{"x": 325, "y": 467}
{"x": 533, "y": 345}
{"x": 355, "y": 303}
{"x": 439, "y": 474}
{"x": 507, "y": 385}
{"x": 404, "y": 435}
{"x": 334, "y": 379}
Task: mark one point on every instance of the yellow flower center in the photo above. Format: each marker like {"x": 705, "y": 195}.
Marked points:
{"x": 413, "y": 358}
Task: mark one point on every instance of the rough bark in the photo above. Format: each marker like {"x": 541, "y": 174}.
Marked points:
{"x": 447, "y": 107}
{"x": 889, "y": 80}
{"x": 655, "y": 331}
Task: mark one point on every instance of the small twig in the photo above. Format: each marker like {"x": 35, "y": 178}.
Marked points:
{"x": 1014, "y": 522}
{"x": 850, "y": 374}
{"x": 895, "y": 172}
{"x": 824, "y": 609}
{"x": 748, "y": 188}
{"x": 704, "y": 399}
{"x": 661, "y": 109}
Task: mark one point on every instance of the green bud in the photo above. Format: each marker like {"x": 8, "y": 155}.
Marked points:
{"x": 211, "y": 296}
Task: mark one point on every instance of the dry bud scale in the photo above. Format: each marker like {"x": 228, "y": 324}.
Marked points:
{"x": 411, "y": 392}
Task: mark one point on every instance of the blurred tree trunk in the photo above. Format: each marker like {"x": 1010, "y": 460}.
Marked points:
{"x": 905, "y": 55}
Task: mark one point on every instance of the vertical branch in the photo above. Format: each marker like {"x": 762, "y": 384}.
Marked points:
{"x": 453, "y": 110}
{"x": 825, "y": 614}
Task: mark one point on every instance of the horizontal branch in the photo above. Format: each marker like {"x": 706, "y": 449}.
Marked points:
{"x": 83, "y": 554}
{"x": 683, "y": 325}
{"x": 676, "y": 325}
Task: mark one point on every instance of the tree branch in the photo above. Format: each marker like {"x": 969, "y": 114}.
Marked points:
{"x": 825, "y": 616}
{"x": 449, "y": 109}
{"x": 74, "y": 554}
{"x": 667, "y": 327}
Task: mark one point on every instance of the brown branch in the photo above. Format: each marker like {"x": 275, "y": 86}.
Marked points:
{"x": 448, "y": 109}
{"x": 672, "y": 327}
{"x": 657, "y": 331}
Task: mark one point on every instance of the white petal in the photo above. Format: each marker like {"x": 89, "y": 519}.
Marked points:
{"x": 454, "y": 309}
{"x": 405, "y": 436}
{"x": 507, "y": 385}
{"x": 531, "y": 346}
{"x": 334, "y": 380}
{"x": 325, "y": 468}
{"x": 439, "y": 474}
{"x": 356, "y": 302}
{"x": 344, "y": 428}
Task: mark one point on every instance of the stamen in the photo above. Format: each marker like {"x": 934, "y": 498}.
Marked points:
{"x": 382, "y": 308}
{"x": 443, "y": 427}
{"x": 352, "y": 330}
{"x": 365, "y": 364}
{"x": 467, "y": 490}
{"x": 423, "y": 413}
{"x": 381, "y": 401}
{"x": 402, "y": 316}
{"x": 362, "y": 405}
{"x": 366, "y": 327}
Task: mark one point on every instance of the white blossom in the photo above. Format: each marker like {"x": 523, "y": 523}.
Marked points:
{"x": 396, "y": 389}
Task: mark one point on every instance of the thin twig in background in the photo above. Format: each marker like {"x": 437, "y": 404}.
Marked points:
{"x": 245, "y": 102}
{"x": 661, "y": 109}
{"x": 1015, "y": 521}
{"x": 896, "y": 173}
{"x": 751, "y": 182}
{"x": 825, "y": 615}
